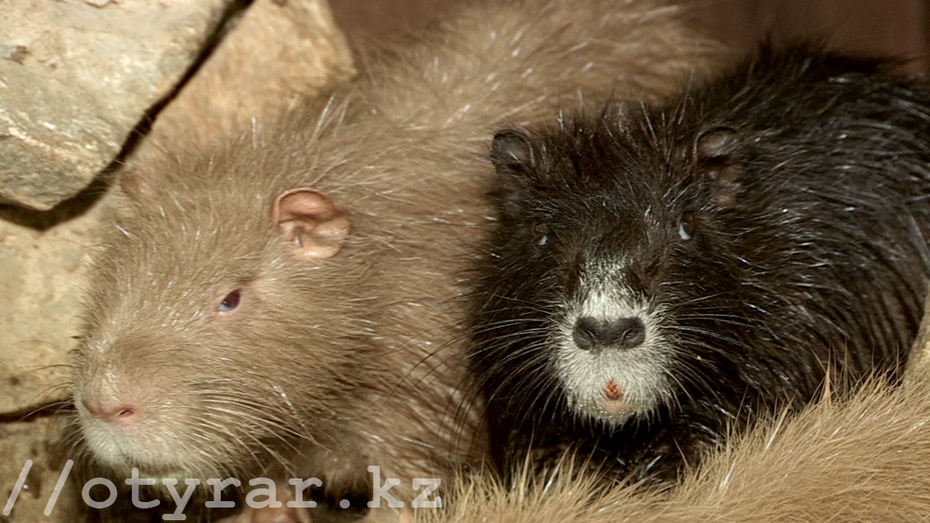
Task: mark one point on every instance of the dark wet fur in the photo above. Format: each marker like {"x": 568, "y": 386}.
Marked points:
{"x": 811, "y": 216}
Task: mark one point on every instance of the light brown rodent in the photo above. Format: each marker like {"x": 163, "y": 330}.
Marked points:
{"x": 863, "y": 460}
{"x": 288, "y": 305}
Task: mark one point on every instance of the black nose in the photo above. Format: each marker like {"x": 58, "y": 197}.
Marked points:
{"x": 625, "y": 333}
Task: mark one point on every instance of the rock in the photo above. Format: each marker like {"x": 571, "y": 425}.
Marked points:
{"x": 38, "y": 442}
{"x": 76, "y": 77}
{"x": 42, "y": 277}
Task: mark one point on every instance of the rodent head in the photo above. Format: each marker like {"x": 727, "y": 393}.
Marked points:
{"x": 216, "y": 329}
{"x": 608, "y": 245}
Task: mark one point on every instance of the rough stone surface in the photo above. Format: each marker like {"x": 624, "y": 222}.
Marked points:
{"x": 42, "y": 277}
{"x": 37, "y": 441}
{"x": 76, "y": 77}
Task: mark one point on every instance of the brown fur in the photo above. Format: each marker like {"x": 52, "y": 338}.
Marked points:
{"x": 861, "y": 461}
{"x": 328, "y": 366}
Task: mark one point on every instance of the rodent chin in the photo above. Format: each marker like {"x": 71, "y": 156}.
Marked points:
{"x": 593, "y": 403}
{"x": 611, "y": 412}
{"x": 158, "y": 455}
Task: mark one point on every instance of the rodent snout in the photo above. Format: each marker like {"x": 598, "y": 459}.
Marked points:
{"x": 624, "y": 333}
{"x": 117, "y": 414}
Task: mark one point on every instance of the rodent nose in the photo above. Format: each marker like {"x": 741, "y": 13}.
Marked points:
{"x": 624, "y": 333}
{"x": 120, "y": 414}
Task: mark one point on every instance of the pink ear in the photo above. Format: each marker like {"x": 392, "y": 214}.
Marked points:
{"x": 136, "y": 184}
{"x": 311, "y": 222}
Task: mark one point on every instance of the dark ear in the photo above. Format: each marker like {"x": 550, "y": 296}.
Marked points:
{"x": 512, "y": 152}
{"x": 310, "y": 222}
{"x": 718, "y": 157}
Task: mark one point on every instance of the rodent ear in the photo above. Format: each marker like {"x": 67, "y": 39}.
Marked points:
{"x": 718, "y": 157}
{"x": 136, "y": 184}
{"x": 512, "y": 152}
{"x": 310, "y": 222}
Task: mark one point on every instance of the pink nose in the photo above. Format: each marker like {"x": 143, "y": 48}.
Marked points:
{"x": 120, "y": 414}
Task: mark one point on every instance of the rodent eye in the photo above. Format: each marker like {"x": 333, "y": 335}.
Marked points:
{"x": 231, "y": 301}
{"x": 687, "y": 226}
{"x": 541, "y": 233}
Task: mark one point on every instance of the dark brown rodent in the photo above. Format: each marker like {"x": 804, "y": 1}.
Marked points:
{"x": 665, "y": 273}
{"x": 287, "y": 304}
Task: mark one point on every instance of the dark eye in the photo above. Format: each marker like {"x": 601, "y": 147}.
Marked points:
{"x": 540, "y": 234}
{"x": 687, "y": 226}
{"x": 231, "y": 301}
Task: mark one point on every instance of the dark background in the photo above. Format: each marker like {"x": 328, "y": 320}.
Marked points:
{"x": 899, "y": 27}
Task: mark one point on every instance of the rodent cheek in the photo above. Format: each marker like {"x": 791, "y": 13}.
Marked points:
{"x": 569, "y": 276}
{"x": 570, "y": 280}
{"x": 649, "y": 279}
